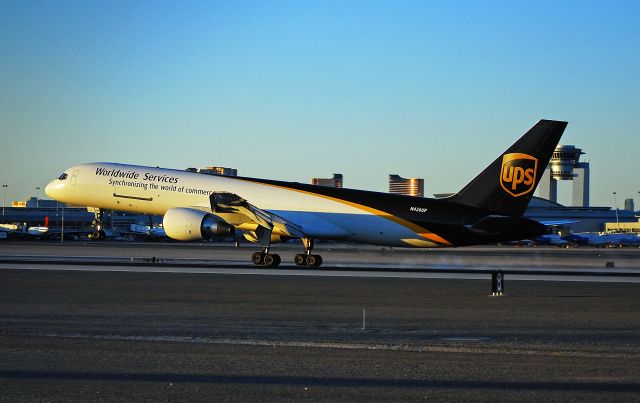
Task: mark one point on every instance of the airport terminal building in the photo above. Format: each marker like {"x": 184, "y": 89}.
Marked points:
{"x": 586, "y": 219}
{"x": 76, "y": 221}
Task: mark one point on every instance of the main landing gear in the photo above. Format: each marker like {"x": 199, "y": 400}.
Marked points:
{"x": 303, "y": 259}
{"x": 98, "y": 234}
{"x": 306, "y": 258}
{"x": 264, "y": 258}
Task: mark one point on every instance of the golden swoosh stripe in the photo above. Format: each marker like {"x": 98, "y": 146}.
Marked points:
{"x": 423, "y": 232}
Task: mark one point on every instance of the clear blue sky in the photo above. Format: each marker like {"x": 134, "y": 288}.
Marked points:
{"x": 296, "y": 89}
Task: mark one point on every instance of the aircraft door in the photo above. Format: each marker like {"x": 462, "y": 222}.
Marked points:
{"x": 74, "y": 177}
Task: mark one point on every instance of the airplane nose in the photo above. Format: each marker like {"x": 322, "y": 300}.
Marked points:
{"x": 47, "y": 190}
{"x": 51, "y": 190}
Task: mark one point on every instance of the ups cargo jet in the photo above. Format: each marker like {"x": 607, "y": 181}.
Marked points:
{"x": 199, "y": 206}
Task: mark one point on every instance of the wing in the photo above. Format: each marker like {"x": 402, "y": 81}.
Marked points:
{"x": 551, "y": 223}
{"x": 236, "y": 210}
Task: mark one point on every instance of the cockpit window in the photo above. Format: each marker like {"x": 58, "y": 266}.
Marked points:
{"x": 63, "y": 177}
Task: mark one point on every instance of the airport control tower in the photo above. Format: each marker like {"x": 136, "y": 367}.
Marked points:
{"x": 565, "y": 165}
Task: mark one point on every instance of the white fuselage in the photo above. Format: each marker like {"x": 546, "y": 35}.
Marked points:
{"x": 151, "y": 190}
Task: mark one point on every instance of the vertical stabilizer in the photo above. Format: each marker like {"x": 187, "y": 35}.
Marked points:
{"x": 507, "y": 185}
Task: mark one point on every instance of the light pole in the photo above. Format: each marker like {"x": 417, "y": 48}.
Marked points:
{"x": 37, "y": 195}
{"x": 62, "y": 228}
{"x": 4, "y": 193}
{"x": 615, "y": 203}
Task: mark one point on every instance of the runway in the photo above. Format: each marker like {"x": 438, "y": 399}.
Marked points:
{"x": 148, "y": 335}
{"x": 541, "y": 264}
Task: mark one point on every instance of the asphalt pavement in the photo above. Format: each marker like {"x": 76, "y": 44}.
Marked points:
{"x": 104, "y": 336}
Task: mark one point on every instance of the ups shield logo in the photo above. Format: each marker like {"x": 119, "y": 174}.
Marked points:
{"x": 518, "y": 173}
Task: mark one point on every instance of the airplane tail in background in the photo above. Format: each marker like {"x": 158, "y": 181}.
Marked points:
{"x": 507, "y": 185}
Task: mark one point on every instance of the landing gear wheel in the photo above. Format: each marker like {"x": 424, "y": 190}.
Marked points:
{"x": 97, "y": 235}
{"x": 272, "y": 260}
{"x": 314, "y": 260}
{"x": 300, "y": 260}
{"x": 257, "y": 258}
{"x": 308, "y": 260}
{"x": 265, "y": 259}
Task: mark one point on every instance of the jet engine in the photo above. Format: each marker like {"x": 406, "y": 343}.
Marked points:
{"x": 187, "y": 224}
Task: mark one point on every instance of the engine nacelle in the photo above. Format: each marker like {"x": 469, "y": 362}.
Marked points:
{"x": 187, "y": 224}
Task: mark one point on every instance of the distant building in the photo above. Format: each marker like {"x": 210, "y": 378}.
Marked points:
{"x": 583, "y": 219}
{"x": 74, "y": 218}
{"x": 34, "y": 202}
{"x": 335, "y": 182}
{"x": 216, "y": 171}
{"x": 406, "y": 186}
{"x": 632, "y": 227}
{"x": 628, "y": 205}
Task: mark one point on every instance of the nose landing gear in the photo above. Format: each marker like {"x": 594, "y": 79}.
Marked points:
{"x": 98, "y": 234}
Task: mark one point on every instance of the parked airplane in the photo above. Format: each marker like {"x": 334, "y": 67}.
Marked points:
{"x": 631, "y": 241}
{"x": 147, "y": 230}
{"x": 604, "y": 240}
{"x": 199, "y": 206}
{"x": 555, "y": 240}
{"x": 37, "y": 231}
